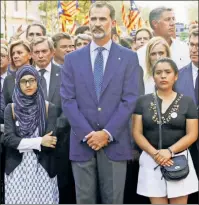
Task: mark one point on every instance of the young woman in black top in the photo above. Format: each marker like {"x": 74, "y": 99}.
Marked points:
{"x": 179, "y": 131}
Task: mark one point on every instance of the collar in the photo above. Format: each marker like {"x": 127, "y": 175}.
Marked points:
{"x": 94, "y": 46}
{"x": 48, "y": 68}
{"x": 194, "y": 68}
{"x": 54, "y": 62}
{"x": 3, "y": 76}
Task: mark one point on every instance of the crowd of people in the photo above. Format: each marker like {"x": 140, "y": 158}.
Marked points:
{"x": 79, "y": 114}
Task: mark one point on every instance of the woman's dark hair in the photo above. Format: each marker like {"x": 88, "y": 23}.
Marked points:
{"x": 166, "y": 60}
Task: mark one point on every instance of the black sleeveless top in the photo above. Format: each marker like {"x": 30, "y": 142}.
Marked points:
{"x": 174, "y": 119}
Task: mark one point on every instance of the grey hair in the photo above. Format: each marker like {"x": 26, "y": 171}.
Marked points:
{"x": 41, "y": 39}
{"x": 156, "y": 13}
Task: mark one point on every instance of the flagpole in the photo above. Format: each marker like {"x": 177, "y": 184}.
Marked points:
{"x": 5, "y": 19}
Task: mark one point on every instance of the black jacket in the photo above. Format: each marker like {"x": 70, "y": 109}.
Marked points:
{"x": 11, "y": 140}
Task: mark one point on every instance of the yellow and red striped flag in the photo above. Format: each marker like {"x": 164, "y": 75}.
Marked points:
{"x": 124, "y": 18}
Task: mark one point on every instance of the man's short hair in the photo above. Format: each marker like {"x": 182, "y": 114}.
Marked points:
{"x": 36, "y": 24}
{"x": 194, "y": 32}
{"x": 41, "y": 39}
{"x": 144, "y": 29}
{"x": 102, "y": 4}
{"x": 81, "y": 29}
{"x": 58, "y": 36}
{"x": 156, "y": 13}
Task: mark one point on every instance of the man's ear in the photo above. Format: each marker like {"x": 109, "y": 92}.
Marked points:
{"x": 113, "y": 23}
{"x": 155, "y": 24}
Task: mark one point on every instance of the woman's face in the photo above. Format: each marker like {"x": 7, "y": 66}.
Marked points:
{"x": 28, "y": 85}
{"x": 20, "y": 56}
{"x": 164, "y": 76}
{"x": 157, "y": 52}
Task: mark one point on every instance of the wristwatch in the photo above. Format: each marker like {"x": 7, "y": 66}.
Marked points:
{"x": 172, "y": 153}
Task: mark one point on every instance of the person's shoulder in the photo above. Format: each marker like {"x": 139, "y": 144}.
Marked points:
{"x": 184, "y": 98}
{"x": 142, "y": 51}
{"x": 184, "y": 69}
{"x": 9, "y": 78}
{"x": 145, "y": 98}
{"x": 180, "y": 43}
{"x": 78, "y": 52}
{"x": 8, "y": 108}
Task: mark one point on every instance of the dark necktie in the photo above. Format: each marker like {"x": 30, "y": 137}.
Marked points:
{"x": 196, "y": 90}
{"x": 98, "y": 71}
{"x": 43, "y": 82}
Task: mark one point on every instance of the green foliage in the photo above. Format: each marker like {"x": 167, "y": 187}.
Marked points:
{"x": 183, "y": 36}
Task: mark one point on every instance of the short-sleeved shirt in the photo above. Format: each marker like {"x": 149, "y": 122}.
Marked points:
{"x": 174, "y": 119}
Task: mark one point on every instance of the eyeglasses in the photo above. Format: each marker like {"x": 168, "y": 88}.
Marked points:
{"x": 30, "y": 81}
{"x": 192, "y": 45}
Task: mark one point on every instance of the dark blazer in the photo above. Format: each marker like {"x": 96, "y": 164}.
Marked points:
{"x": 8, "y": 88}
{"x": 11, "y": 140}
{"x": 185, "y": 85}
{"x": 120, "y": 90}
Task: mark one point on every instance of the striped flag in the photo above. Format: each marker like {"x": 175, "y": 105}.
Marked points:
{"x": 124, "y": 18}
{"x": 66, "y": 12}
{"x": 71, "y": 7}
{"x": 72, "y": 31}
{"x": 134, "y": 16}
{"x": 86, "y": 20}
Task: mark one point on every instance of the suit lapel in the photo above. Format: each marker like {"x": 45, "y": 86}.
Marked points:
{"x": 88, "y": 73}
{"x": 113, "y": 62}
{"x": 190, "y": 82}
{"x": 54, "y": 80}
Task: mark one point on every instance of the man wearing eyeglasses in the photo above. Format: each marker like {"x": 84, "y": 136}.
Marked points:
{"x": 187, "y": 84}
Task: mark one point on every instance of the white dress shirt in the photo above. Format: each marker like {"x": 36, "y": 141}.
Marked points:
{"x": 194, "y": 73}
{"x": 46, "y": 75}
{"x": 28, "y": 144}
{"x": 3, "y": 76}
{"x": 105, "y": 53}
{"x": 94, "y": 52}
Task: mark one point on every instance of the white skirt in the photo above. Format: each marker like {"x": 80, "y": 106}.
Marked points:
{"x": 151, "y": 183}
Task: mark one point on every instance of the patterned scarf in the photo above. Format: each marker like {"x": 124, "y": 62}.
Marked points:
{"x": 30, "y": 111}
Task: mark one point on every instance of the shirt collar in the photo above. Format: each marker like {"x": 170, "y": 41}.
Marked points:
{"x": 54, "y": 62}
{"x": 3, "y": 76}
{"x": 48, "y": 68}
{"x": 94, "y": 46}
{"x": 194, "y": 68}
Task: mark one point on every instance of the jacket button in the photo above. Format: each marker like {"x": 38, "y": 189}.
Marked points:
{"x": 99, "y": 109}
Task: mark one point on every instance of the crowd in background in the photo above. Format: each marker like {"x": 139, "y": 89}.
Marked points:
{"x": 38, "y": 129}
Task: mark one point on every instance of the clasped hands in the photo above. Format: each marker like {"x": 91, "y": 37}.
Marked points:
{"x": 163, "y": 157}
{"x": 97, "y": 140}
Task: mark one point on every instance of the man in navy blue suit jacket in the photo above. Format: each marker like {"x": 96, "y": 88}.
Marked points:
{"x": 187, "y": 84}
{"x": 99, "y": 109}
